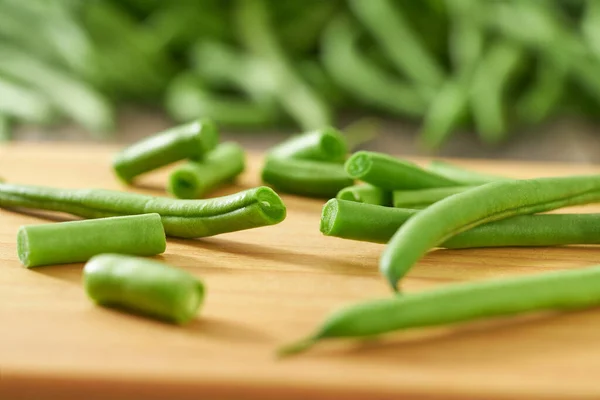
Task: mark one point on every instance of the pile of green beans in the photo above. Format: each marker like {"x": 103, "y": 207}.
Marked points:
{"x": 488, "y": 66}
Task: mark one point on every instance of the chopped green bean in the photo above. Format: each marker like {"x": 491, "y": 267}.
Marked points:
{"x": 77, "y": 241}
{"x": 326, "y": 144}
{"x": 366, "y": 193}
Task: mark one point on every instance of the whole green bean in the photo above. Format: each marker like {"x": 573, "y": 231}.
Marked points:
{"x": 76, "y": 241}
{"x": 372, "y": 223}
{"x": 248, "y": 209}
{"x": 143, "y": 286}
{"x": 24, "y": 103}
{"x": 195, "y": 179}
{"x": 422, "y": 198}
{"x": 560, "y": 290}
{"x": 490, "y": 202}
{"x": 461, "y": 175}
{"x": 391, "y": 173}
{"x": 305, "y": 177}
{"x": 192, "y": 140}
{"x": 366, "y": 193}
{"x": 326, "y": 144}
{"x": 5, "y": 128}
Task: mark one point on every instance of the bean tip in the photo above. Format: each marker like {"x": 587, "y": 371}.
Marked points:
{"x": 295, "y": 348}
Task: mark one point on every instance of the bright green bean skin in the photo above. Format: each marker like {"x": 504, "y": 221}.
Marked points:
{"x": 422, "y": 198}
{"x": 196, "y": 178}
{"x": 490, "y": 202}
{"x": 560, "y": 290}
{"x": 78, "y": 241}
{"x": 461, "y": 175}
{"x": 327, "y": 145}
{"x": 248, "y": 209}
{"x": 192, "y": 140}
{"x": 143, "y": 286}
{"x": 304, "y": 177}
{"x": 366, "y": 193}
{"x": 371, "y": 223}
{"x": 391, "y": 173}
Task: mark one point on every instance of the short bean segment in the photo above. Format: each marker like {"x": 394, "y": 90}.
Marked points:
{"x": 327, "y": 145}
{"x": 370, "y": 223}
{"x": 304, "y": 177}
{"x": 487, "y": 203}
{"x": 192, "y": 140}
{"x": 77, "y": 241}
{"x": 143, "y": 286}
{"x": 462, "y": 175}
{"x": 248, "y": 209}
{"x": 561, "y": 290}
{"x": 391, "y": 173}
{"x": 196, "y": 178}
{"x": 366, "y": 193}
{"x": 422, "y": 198}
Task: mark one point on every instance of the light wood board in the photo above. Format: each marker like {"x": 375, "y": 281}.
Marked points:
{"x": 268, "y": 286}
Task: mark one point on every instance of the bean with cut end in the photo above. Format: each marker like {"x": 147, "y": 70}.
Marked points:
{"x": 366, "y": 193}
{"x": 143, "y": 286}
{"x": 327, "y": 145}
{"x": 77, "y": 241}
{"x": 248, "y": 209}
{"x": 192, "y": 140}
{"x": 422, "y": 198}
{"x": 561, "y": 290}
{"x": 196, "y": 178}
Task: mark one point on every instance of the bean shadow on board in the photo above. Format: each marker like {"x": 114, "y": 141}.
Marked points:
{"x": 71, "y": 273}
{"x": 52, "y": 216}
{"x": 493, "y": 341}
{"x": 353, "y": 265}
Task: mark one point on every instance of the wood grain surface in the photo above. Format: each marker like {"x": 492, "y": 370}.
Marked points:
{"x": 268, "y": 286}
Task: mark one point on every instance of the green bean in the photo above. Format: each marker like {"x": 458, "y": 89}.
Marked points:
{"x": 77, "y": 241}
{"x": 24, "y": 103}
{"x": 422, "y": 198}
{"x": 391, "y": 173}
{"x": 188, "y": 98}
{"x": 545, "y": 93}
{"x": 590, "y": 26}
{"x": 68, "y": 95}
{"x": 248, "y": 209}
{"x": 353, "y": 72}
{"x": 372, "y": 223}
{"x": 365, "y": 193}
{"x": 461, "y": 175}
{"x": 490, "y": 202}
{"x": 192, "y": 140}
{"x": 195, "y": 179}
{"x": 5, "y": 128}
{"x": 305, "y": 177}
{"x": 143, "y": 286}
{"x": 326, "y": 144}
{"x": 560, "y": 290}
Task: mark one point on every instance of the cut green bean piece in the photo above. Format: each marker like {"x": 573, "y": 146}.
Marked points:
{"x": 461, "y": 175}
{"x": 560, "y": 290}
{"x": 77, "y": 241}
{"x": 366, "y": 193}
{"x": 422, "y": 198}
{"x": 487, "y": 203}
{"x": 391, "y": 173}
{"x": 304, "y": 177}
{"x": 371, "y": 223}
{"x": 248, "y": 209}
{"x": 192, "y": 140}
{"x": 143, "y": 286}
{"x": 327, "y": 145}
{"x": 197, "y": 178}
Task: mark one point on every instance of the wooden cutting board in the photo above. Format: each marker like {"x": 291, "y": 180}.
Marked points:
{"x": 268, "y": 286}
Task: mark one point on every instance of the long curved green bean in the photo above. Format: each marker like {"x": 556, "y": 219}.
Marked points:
{"x": 461, "y": 175}
{"x": 422, "y": 198}
{"x": 305, "y": 177}
{"x": 143, "y": 286}
{"x": 248, "y": 209}
{"x": 195, "y": 179}
{"x": 560, "y": 290}
{"x": 377, "y": 224}
{"x": 77, "y": 241}
{"x": 192, "y": 140}
{"x": 487, "y": 203}
{"x": 391, "y": 173}
{"x": 366, "y": 193}
{"x": 327, "y": 145}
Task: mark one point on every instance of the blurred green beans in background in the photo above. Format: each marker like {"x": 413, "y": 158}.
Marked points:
{"x": 487, "y": 66}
